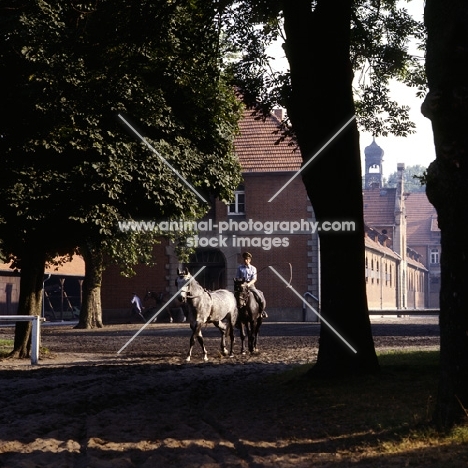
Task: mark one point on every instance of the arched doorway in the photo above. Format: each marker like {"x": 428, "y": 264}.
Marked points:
{"x": 214, "y": 275}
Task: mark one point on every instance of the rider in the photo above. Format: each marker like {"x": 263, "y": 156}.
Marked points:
{"x": 249, "y": 273}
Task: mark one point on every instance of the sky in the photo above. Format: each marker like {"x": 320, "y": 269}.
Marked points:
{"x": 414, "y": 149}
{"x": 417, "y": 148}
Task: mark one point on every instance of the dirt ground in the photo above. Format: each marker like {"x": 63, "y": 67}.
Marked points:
{"x": 121, "y": 397}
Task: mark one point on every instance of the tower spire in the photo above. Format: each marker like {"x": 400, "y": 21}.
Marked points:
{"x": 374, "y": 159}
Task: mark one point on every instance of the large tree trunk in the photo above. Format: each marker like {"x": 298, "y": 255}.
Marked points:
{"x": 321, "y": 102}
{"x": 91, "y": 309}
{"x": 446, "y": 105}
{"x": 30, "y": 298}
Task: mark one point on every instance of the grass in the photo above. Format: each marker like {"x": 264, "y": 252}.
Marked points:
{"x": 6, "y": 346}
{"x": 379, "y": 421}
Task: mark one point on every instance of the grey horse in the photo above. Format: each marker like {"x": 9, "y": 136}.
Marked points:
{"x": 217, "y": 307}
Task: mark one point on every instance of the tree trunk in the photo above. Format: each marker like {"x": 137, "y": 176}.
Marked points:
{"x": 321, "y": 102}
{"x": 91, "y": 309}
{"x": 446, "y": 105}
{"x": 30, "y": 299}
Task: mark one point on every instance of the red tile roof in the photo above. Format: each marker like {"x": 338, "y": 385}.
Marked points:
{"x": 373, "y": 244}
{"x": 258, "y": 148}
{"x": 74, "y": 268}
{"x": 421, "y": 216}
{"x": 379, "y": 206}
{"x": 421, "y": 220}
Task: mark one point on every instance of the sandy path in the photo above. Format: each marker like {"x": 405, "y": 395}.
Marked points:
{"x": 86, "y": 406}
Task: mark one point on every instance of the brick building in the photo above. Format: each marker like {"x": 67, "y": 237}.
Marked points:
{"x": 424, "y": 238}
{"x": 402, "y": 243}
{"x": 407, "y": 224}
{"x": 250, "y": 223}
{"x": 396, "y": 275}
{"x": 62, "y": 289}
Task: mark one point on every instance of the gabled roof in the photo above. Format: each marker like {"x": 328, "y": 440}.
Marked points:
{"x": 421, "y": 219}
{"x": 421, "y": 216}
{"x": 376, "y": 241}
{"x": 379, "y": 206}
{"x": 377, "y": 246}
{"x": 258, "y": 148}
{"x": 415, "y": 263}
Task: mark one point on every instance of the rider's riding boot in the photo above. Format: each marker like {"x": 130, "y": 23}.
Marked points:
{"x": 262, "y": 306}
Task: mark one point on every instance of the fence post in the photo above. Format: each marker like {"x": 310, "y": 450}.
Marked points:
{"x": 35, "y": 339}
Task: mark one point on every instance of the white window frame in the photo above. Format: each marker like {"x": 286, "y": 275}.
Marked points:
{"x": 434, "y": 256}
{"x": 236, "y": 203}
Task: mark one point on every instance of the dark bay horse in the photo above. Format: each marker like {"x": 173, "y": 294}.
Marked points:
{"x": 158, "y": 298}
{"x": 173, "y": 312}
{"x": 250, "y": 313}
{"x": 216, "y": 307}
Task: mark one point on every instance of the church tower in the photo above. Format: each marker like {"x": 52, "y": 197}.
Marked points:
{"x": 374, "y": 158}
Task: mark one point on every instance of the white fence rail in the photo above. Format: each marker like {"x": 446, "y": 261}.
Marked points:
{"x": 404, "y": 312}
{"x": 36, "y": 331}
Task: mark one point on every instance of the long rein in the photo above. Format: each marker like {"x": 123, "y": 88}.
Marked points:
{"x": 209, "y": 293}
{"x": 278, "y": 264}
{"x": 199, "y": 295}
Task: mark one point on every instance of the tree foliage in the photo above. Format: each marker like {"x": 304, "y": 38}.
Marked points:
{"x": 71, "y": 168}
{"x": 413, "y": 179}
{"x": 381, "y": 35}
{"x": 69, "y": 70}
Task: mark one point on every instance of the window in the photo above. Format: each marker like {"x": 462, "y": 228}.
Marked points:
{"x": 214, "y": 275}
{"x": 435, "y": 280}
{"x": 238, "y": 205}
{"x": 434, "y": 256}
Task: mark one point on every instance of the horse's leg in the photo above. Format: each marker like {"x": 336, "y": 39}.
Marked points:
{"x": 223, "y": 327}
{"x": 242, "y": 336}
{"x": 257, "y": 322}
{"x": 231, "y": 336}
{"x": 192, "y": 341}
{"x": 200, "y": 340}
{"x": 251, "y": 331}
{"x": 196, "y": 331}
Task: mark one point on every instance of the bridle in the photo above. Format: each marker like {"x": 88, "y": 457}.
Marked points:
{"x": 242, "y": 294}
{"x": 185, "y": 290}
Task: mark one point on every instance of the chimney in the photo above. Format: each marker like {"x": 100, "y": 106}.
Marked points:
{"x": 399, "y": 244}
